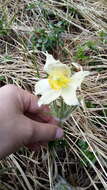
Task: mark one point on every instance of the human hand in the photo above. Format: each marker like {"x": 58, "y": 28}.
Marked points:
{"x": 22, "y": 122}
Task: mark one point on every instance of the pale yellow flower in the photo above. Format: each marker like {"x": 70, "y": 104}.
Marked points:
{"x": 60, "y": 82}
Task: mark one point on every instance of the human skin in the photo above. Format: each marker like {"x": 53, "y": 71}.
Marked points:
{"x": 23, "y": 122}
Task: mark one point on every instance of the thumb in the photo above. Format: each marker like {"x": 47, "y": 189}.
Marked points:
{"x": 41, "y": 132}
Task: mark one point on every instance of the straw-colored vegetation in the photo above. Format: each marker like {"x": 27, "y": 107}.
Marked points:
{"x": 72, "y": 31}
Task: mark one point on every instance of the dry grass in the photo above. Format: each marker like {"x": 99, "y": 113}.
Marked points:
{"x": 20, "y": 63}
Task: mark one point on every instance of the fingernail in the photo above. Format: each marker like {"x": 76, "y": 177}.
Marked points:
{"x": 59, "y": 133}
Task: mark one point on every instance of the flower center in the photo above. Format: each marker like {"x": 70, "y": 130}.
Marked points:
{"x": 58, "y": 80}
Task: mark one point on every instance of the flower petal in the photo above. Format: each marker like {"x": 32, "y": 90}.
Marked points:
{"x": 60, "y": 68}
{"x": 78, "y": 77}
{"x": 49, "y": 97}
{"x": 50, "y": 61}
{"x": 53, "y": 64}
{"x": 69, "y": 95}
{"x": 42, "y": 86}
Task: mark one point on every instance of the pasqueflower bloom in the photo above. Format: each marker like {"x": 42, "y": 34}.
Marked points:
{"x": 60, "y": 82}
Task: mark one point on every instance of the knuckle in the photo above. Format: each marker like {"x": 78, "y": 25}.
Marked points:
{"x": 11, "y": 87}
{"x": 12, "y": 90}
{"x": 29, "y": 133}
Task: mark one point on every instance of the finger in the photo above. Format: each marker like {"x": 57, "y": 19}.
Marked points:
{"x": 46, "y": 115}
{"x": 46, "y": 132}
{"x": 40, "y": 132}
{"x": 30, "y": 102}
{"x": 41, "y": 117}
{"x": 43, "y": 114}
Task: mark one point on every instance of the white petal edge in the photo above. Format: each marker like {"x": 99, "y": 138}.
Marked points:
{"x": 52, "y": 63}
{"x": 69, "y": 96}
{"x": 49, "y": 97}
{"x": 42, "y": 86}
{"x": 69, "y": 93}
{"x": 78, "y": 77}
{"x": 49, "y": 62}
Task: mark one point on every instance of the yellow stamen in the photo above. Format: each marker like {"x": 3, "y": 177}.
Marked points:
{"x": 58, "y": 79}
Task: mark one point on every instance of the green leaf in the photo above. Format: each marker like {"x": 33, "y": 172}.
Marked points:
{"x": 2, "y": 78}
{"x": 83, "y": 145}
